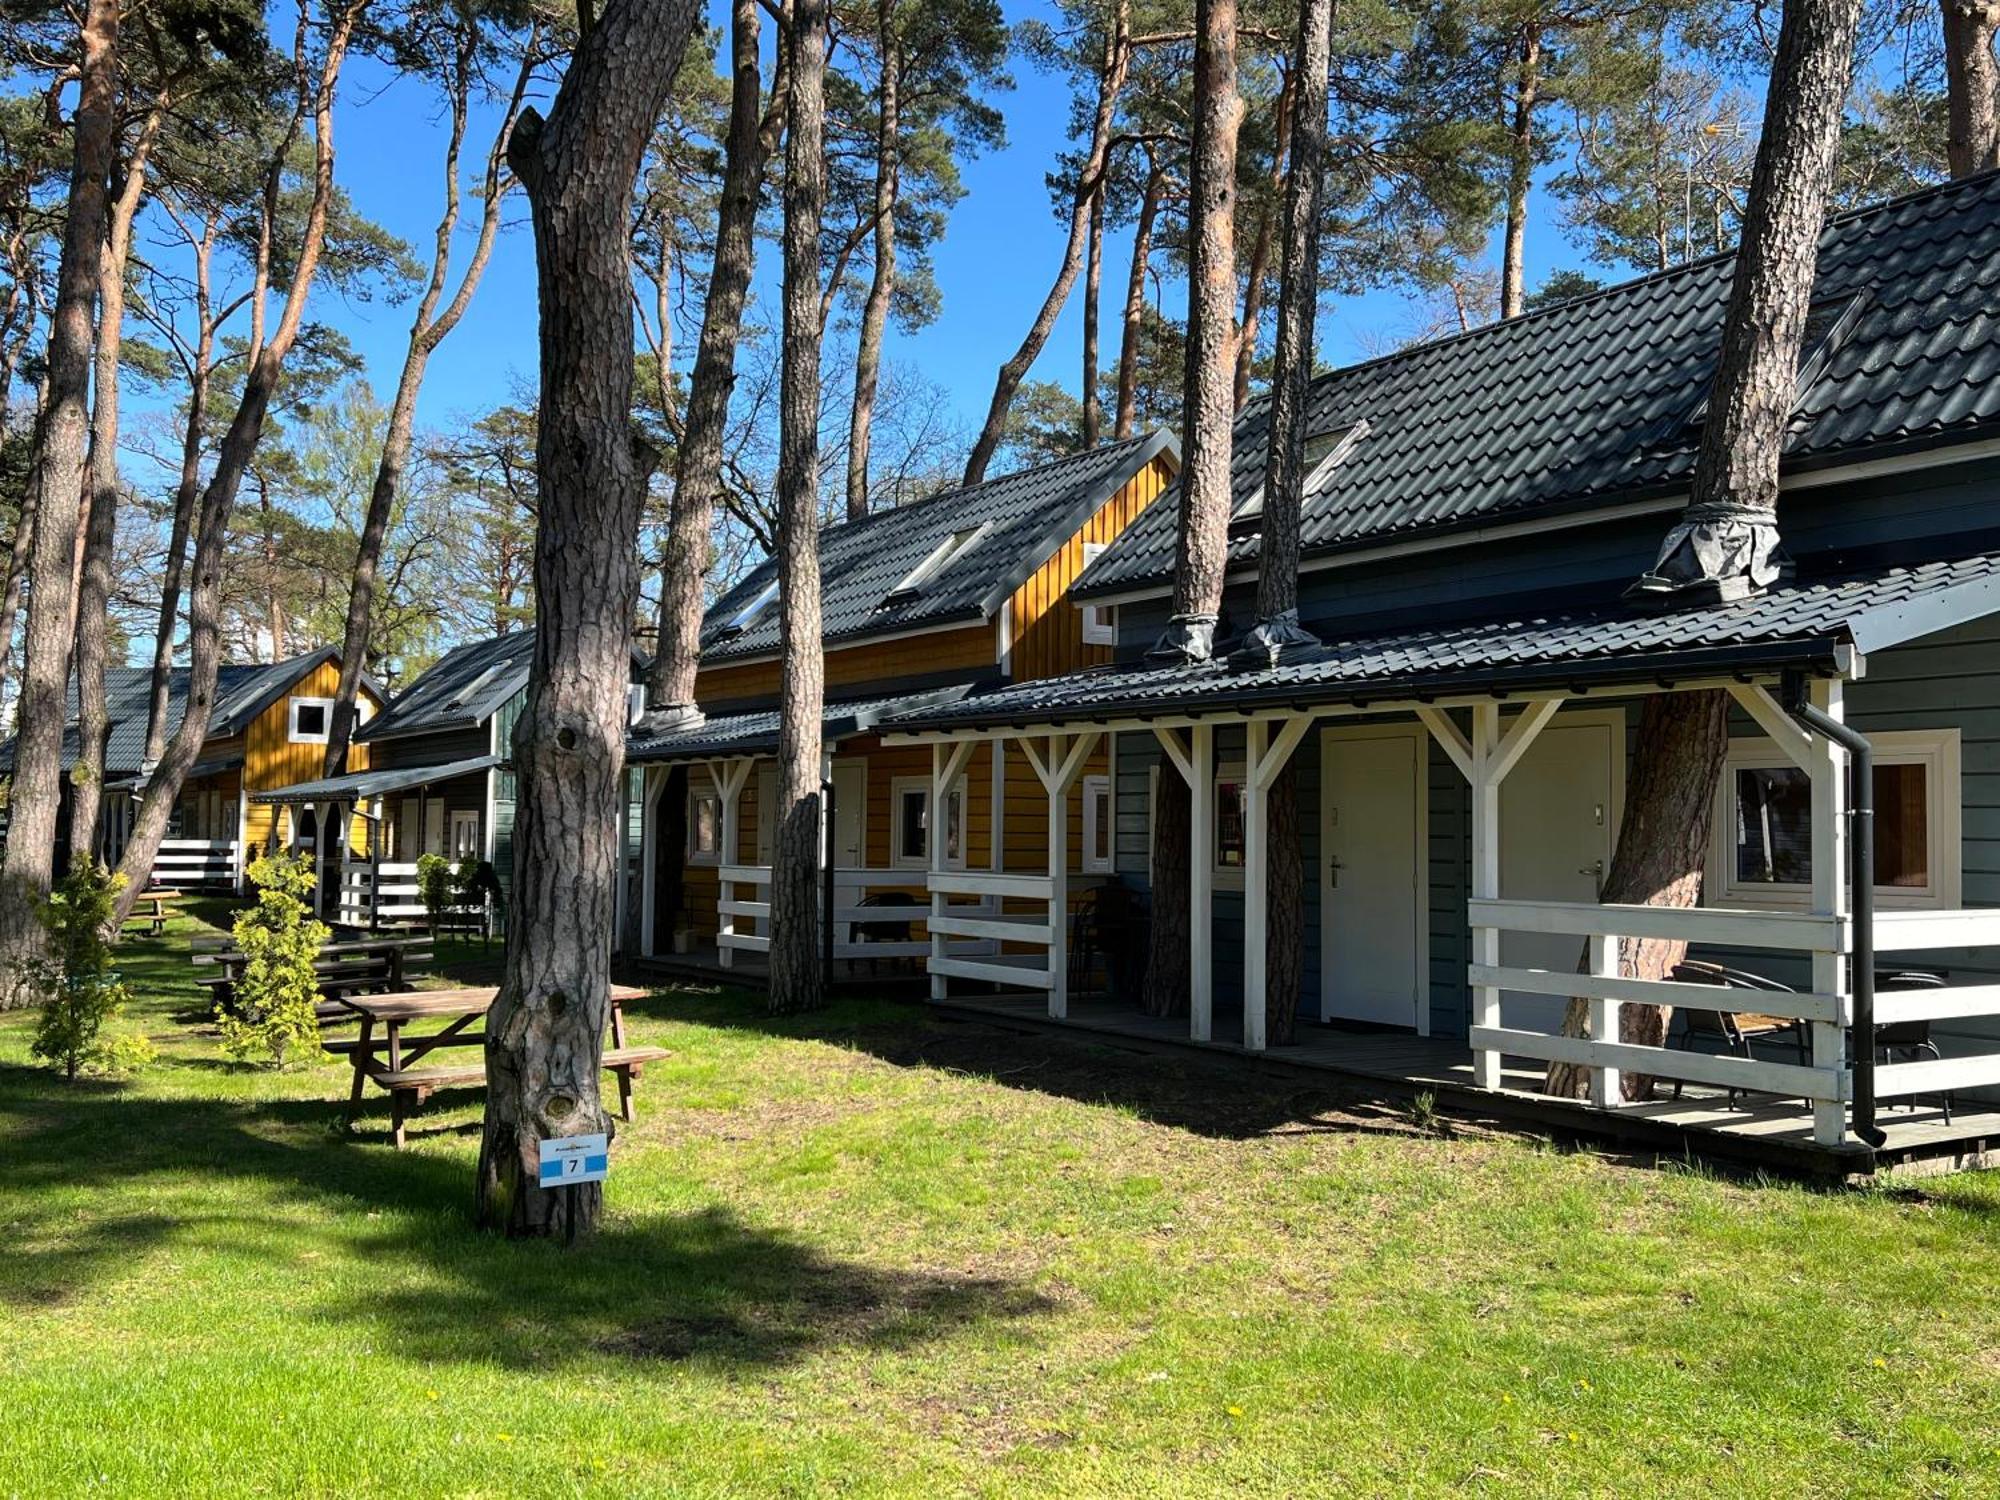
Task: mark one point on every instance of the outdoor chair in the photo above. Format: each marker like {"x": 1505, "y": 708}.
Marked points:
{"x": 1912, "y": 1039}
{"x": 1108, "y": 924}
{"x": 1736, "y": 1031}
{"x": 885, "y": 932}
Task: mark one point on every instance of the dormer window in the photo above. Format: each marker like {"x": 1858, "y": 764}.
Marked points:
{"x": 1828, "y": 322}
{"x": 1325, "y": 452}
{"x": 942, "y": 556}
{"x": 752, "y": 612}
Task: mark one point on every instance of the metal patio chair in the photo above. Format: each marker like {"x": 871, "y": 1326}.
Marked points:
{"x": 1738, "y": 1031}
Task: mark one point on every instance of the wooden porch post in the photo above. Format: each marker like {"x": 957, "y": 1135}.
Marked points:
{"x": 1485, "y": 880}
{"x": 1058, "y": 766}
{"x": 1263, "y": 759}
{"x": 947, "y": 765}
{"x": 648, "y": 832}
{"x": 728, "y": 778}
{"x": 1829, "y": 898}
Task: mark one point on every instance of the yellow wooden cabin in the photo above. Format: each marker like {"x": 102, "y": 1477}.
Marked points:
{"x": 268, "y": 729}
{"x": 960, "y": 592}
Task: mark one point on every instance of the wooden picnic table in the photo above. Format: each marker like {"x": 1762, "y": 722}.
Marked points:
{"x": 389, "y": 1060}
{"x": 156, "y": 914}
{"x": 343, "y": 968}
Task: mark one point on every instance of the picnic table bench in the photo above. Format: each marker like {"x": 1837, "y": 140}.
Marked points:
{"x": 389, "y": 1061}
{"x": 155, "y": 915}
{"x": 362, "y": 966}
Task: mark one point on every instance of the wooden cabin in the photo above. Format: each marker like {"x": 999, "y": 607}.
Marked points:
{"x": 268, "y": 729}
{"x": 923, "y": 604}
{"x": 1475, "y": 512}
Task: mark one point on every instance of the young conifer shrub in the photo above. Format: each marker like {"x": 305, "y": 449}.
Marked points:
{"x": 273, "y": 1016}
{"x": 74, "y": 977}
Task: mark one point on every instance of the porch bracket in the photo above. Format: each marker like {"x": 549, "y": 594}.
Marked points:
{"x": 1176, "y": 752}
{"x": 1782, "y": 729}
{"x": 948, "y": 762}
{"x": 1449, "y": 739}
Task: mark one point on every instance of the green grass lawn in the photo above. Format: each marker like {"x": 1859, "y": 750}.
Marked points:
{"x": 878, "y": 1252}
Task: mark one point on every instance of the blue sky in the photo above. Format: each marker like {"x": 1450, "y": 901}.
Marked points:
{"x": 993, "y": 268}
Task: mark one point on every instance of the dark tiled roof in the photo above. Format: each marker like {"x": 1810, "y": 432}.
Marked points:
{"x": 241, "y": 693}
{"x": 357, "y": 784}
{"x": 1590, "y": 401}
{"x": 1026, "y": 515}
{"x": 757, "y": 733}
{"x": 462, "y": 691}
{"x": 1799, "y": 621}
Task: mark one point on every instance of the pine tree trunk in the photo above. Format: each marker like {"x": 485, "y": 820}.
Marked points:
{"x": 698, "y": 473}
{"x": 1676, "y": 764}
{"x": 1111, "y": 82}
{"x": 1127, "y": 417}
{"x": 428, "y": 329}
{"x": 882, "y": 284}
{"x": 1093, "y": 282}
{"x": 1168, "y": 959}
{"x": 1972, "y": 85}
{"x": 21, "y": 547}
{"x": 93, "y": 625}
{"x": 545, "y": 1034}
{"x": 1520, "y": 171}
{"x": 239, "y": 445}
{"x": 1257, "y": 273}
{"x": 1208, "y": 409}
{"x": 796, "y": 979}
{"x": 1726, "y": 544}
{"x": 1285, "y": 910}
{"x": 27, "y": 865}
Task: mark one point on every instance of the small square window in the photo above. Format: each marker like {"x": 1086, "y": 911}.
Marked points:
{"x": 1100, "y": 621}
{"x": 1229, "y": 818}
{"x": 704, "y": 828}
{"x": 311, "y": 721}
{"x": 1097, "y": 825}
{"x": 910, "y": 820}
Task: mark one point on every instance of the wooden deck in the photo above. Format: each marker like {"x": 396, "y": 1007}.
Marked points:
{"x": 1760, "y": 1132}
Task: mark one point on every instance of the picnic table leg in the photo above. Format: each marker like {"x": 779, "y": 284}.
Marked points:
{"x": 396, "y": 1095}
{"x": 360, "y": 1068}
{"x": 625, "y": 1094}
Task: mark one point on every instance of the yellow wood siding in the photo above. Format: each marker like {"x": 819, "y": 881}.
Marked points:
{"x": 971, "y": 649}
{"x": 271, "y": 760}
{"x": 1048, "y": 625}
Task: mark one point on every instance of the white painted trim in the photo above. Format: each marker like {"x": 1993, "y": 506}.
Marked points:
{"x": 696, "y": 795}
{"x": 1420, "y": 905}
{"x": 1003, "y": 654}
{"x": 1099, "y": 621}
{"x": 292, "y": 707}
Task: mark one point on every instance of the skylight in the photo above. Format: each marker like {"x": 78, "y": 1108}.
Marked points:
{"x": 1325, "y": 452}
{"x": 752, "y": 612}
{"x": 942, "y": 556}
{"x": 1828, "y": 321}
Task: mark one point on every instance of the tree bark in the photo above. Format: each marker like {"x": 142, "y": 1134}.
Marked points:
{"x": 698, "y": 473}
{"x": 428, "y": 329}
{"x": 1127, "y": 416}
{"x": 1258, "y": 271}
{"x": 796, "y": 980}
{"x": 882, "y": 285}
{"x": 1093, "y": 281}
{"x": 1662, "y": 847}
{"x": 1972, "y": 85}
{"x": 28, "y": 862}
{"x": 187, "y": 495}
{"x": 93, "y": 625}
{"x": 1285, "y": 910}
{"x": 545, "y": 1035}
{"x": 1726, "y": 544}
{"x": 1111, "y": 82}
{"x": 1168, "y": 958}
{"x": 1208, "y": 414}
{"x": 210, "y": 529}
{"x": 1520, "y": 171}
{"x": 22, "y": 546}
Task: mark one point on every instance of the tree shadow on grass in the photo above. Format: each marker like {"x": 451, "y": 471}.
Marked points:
{"x": 665, "y": 1287}
{"x": 1217, "y": 1097}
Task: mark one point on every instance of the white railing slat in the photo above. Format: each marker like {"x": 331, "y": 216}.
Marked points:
{"x": 1565, "y": 985}
{"x": 1697, "y": 924}
{"x": 1788, "y": 1080}
{"x": 1899, "y": 1080}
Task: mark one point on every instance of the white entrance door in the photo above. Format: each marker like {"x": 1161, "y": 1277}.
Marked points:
{"x": 465, "y": 843}
{"x": 850, "y": 815}
{"x": 1559, "y": 813}
{"x": 1371, "y": 892}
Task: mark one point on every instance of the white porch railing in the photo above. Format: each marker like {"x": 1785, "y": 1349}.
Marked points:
{"x": 743, "y": 923}
{"x": 385, "y": 892}
{"x": 1822, "y": 1081}
{"x": 972, "y": 904}
{"x": 1947, "y": 934}
{"x": 186, "y": 864}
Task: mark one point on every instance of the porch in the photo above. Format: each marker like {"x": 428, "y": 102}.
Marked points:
{"x": 1703, "y": 1122}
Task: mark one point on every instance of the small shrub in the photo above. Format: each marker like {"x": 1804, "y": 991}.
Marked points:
{"x": 435, "y": 884}
{"x": 279, "y": 938}
{"x": 119, "y": 1054}
{"x": 79, "y": 992}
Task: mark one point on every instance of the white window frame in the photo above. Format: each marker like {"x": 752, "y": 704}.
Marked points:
{"x": 292, "y": 720}
{"x": 941, "y": 557}
{"x": 1935, "y": 749}
{"x": 903, "y": 787}
{"x": 1226, "y": 877}
{"x": 696, "y": 796}
{"x": 1095, "y": 787}
{"x": 1344, "y": 441}
{"x": 1100, "y": 621}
